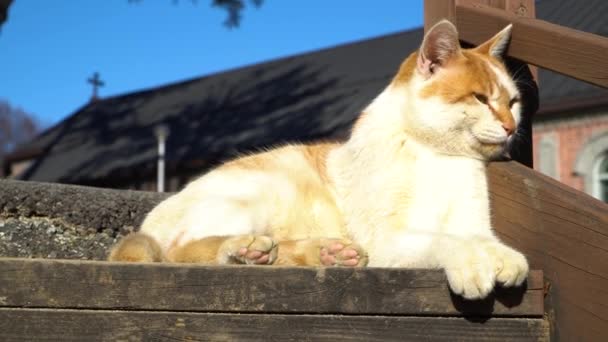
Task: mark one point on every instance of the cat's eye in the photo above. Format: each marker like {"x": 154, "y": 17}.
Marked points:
{"x": 513, "y": 101}
{"x": 481, "y": 98}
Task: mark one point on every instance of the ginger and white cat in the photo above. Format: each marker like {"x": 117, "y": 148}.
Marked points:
{"x": 409, "y": 186}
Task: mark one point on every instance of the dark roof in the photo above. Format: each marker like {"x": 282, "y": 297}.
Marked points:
{"x": 306, "y": 97}
{"x": 590, "y": 16}
{"x": 302, "y": 98}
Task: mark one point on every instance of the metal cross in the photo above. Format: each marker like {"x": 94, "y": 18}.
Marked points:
{"x": 96, "y": 82}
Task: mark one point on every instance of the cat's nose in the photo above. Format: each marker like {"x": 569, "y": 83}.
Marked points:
{"x": 509, "y": 128}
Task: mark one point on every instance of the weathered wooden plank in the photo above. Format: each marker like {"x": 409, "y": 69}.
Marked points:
{"x": 574, "y": 53}
{"x": 101, "y": 285}
{"x": 564, "y": 232}
{"x": 88, "y": 325}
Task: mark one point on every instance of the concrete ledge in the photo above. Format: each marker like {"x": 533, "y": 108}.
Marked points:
{"x": 65, "y": 221}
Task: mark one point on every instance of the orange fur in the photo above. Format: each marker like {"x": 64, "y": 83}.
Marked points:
{"x": 406, "y": 70}
{"x": 200, "y": 251}
{"x": 306, "y": 252}
{"x": 137, "y": 248}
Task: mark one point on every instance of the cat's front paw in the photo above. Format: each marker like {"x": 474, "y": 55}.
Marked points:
{"x": 471, "y": 273}
{"x": 511, "y": 267}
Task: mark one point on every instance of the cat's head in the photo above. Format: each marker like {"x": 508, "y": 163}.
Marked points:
{"x": 462, "y": 101}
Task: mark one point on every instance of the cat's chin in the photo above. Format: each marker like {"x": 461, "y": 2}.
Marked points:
{"x": 492, "y": 151}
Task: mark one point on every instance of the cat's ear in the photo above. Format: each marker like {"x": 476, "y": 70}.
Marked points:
{"x": 440, "y": 44}
{"x": 497, "y": 45}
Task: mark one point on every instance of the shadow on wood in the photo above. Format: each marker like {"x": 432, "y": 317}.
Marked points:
{"x": 481, "y": 310}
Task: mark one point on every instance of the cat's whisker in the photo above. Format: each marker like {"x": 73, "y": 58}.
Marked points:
{"x": 520, "y": 69}
{"x": 525, "y": 82}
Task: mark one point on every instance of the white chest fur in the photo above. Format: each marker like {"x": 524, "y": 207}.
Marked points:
{"x": 449, "y": 195}
{"x": 417, "y": 196}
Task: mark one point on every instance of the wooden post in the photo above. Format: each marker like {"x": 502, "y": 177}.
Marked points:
{"x": 435, "y": 10}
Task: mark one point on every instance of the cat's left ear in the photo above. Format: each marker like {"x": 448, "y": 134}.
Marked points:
{"x": 439, "y": 46}
{"x": 497, "y": 45}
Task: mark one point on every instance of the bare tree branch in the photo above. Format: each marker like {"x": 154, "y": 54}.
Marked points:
{"x": 4, "y": 5}
{"x": 234, "y": 9}
{"x": 16, "y": 127}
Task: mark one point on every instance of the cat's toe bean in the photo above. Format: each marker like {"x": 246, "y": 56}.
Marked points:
{"x": 349, "y": 253}
{"x": 253, "y": 254}
{"x": 350, "y": 262}
{"x": 328, "y": 260}
{"x": 336, "y": 247}
{"x": 338, "y": 252}
{"x": 263, "y": 259}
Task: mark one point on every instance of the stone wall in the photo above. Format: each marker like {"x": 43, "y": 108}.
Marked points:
{"x": 64, "y": 221}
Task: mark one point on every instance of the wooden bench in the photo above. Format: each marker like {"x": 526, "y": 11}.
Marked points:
{"x": 69, "y": 300}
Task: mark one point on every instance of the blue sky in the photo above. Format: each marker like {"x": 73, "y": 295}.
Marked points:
{"x": 49, "y": 48}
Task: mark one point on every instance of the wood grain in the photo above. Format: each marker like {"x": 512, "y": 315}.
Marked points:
{"x": 101, "y": 285}
{"x": 563, "y": 232}
{"x": 570, "y": 52}
{"x": 87, "y": 325}
{"x": 435, "y": 10}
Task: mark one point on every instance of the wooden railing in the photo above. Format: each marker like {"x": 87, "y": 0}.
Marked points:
{"x": 574, "y": 53}
{"x": 562, "y": 231}
{"x": 577, "y": 54}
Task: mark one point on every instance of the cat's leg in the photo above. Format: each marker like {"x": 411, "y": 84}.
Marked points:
{"x": 222, "y": 250}
{"x": 136, "y": 247}
{"x": 469, "y": 268}
{"x": 321, "y": 252}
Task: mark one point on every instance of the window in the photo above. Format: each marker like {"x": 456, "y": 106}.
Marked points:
{"x": 601, "y": 178}
{"x": 548, "y": 156}
{"x": 592, "y": 165}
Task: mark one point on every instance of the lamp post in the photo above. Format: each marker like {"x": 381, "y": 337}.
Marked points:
{"x": 162, "y": 132}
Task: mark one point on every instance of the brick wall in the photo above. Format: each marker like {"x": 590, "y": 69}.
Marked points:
{"x": 558, "y": 143}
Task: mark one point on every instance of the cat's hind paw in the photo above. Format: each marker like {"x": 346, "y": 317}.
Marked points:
{"x": 136, "y": 247}
{"x": 262, "y": 250}
{"x": 339, "y": 252}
